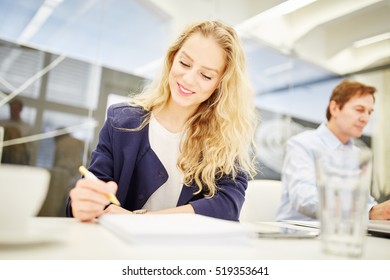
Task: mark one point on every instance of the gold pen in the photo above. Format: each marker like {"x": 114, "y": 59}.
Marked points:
{"x": 88, "y": 174}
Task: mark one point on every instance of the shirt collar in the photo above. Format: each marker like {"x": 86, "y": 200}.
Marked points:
{"x": 333, "y": 142}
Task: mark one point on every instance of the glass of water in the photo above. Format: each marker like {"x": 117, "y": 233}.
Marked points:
{"x": 343, "y": 180}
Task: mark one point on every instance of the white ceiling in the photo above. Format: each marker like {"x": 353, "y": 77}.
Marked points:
{"x": 284, "y": 48}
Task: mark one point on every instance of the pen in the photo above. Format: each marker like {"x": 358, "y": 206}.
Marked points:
{"x": 88, "y": 174}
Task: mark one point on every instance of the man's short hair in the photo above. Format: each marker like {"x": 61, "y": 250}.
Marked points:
{"x": 347, "y": 89}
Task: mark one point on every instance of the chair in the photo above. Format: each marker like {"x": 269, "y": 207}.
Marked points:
{"x": 262, "y": 200}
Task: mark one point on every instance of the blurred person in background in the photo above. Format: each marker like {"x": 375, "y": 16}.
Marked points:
{"x": 15, "y": 119}
{"x": 25, "y": 129}
{"x": 17, "y": 153}
{"x": 348, "y": 112}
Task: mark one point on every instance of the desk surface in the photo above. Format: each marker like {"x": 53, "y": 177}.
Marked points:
{"x": 71, "y": 239}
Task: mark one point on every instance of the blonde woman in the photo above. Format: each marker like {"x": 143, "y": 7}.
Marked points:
{"x": 185, "y": 145}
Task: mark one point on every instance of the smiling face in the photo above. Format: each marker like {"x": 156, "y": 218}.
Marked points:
{"x": 350, "y": 121}
{"x": 196, "y": 71}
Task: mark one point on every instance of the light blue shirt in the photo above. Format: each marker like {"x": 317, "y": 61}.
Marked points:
{"x": 299, "y": 196}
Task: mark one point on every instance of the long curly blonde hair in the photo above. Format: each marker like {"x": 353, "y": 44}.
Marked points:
{"x": 219, "y": 137}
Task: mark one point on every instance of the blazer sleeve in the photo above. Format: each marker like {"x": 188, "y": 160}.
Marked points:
{"x": 228, "y": 201}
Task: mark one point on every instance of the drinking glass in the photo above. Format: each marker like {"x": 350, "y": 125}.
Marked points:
{"x": 343, "y": 180}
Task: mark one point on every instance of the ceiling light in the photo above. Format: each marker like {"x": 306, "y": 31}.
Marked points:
{"x": 38, "y": 20}
{"x": 277, "y": 11}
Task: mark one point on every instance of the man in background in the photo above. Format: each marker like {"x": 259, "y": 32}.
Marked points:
{"x": 15, "y": 110}
{"x": 349, "y": 110}
{"x": 16, "y": 127}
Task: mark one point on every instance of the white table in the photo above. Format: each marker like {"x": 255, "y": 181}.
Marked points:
{"x": 70, "y": 239}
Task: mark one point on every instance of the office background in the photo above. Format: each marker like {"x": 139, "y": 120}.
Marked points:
{"x": 67, "y": 60}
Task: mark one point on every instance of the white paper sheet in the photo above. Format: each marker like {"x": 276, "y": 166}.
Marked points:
{"x": 175, "y": 228}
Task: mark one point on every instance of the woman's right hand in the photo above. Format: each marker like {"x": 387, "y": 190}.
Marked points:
{"x": 89, "y": 198}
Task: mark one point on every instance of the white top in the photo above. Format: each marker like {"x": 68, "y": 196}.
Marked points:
{"x": 166, "y": 146}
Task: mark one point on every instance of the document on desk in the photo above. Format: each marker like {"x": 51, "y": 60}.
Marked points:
{"x": 175, "y": 229}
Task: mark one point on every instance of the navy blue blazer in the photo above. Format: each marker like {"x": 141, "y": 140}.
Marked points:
{"x": 126, "y": 158}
